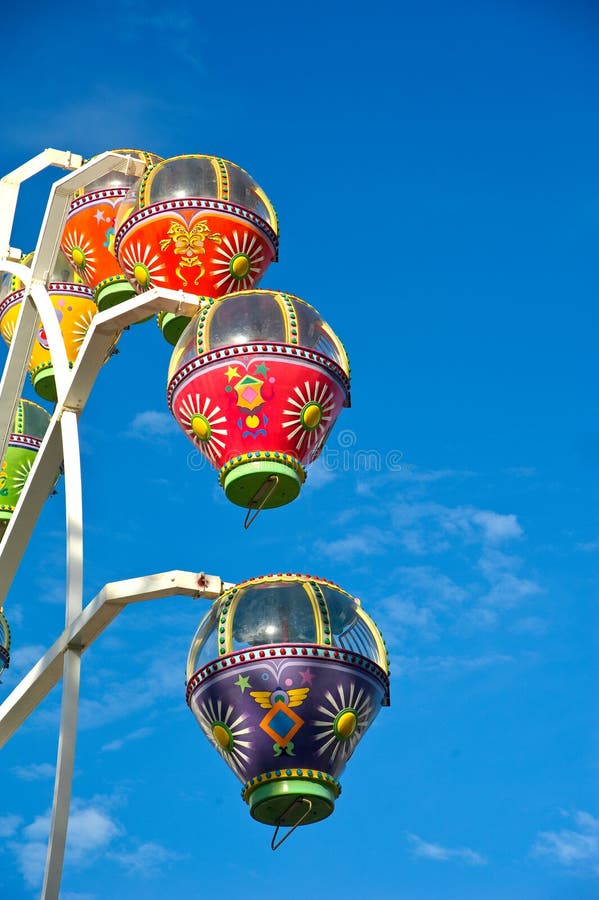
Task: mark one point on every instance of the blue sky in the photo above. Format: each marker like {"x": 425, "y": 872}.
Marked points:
{"x": 434, "y": 168}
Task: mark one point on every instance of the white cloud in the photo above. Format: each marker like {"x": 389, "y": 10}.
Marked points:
{"x": 575, "y": 849}
{"x": 370, "y": 541}
{"x": 589, "y": 546}
{"x": 91, "y": 830}
{"x": 34, "y": 771}
{"x": 150, "y": 424}
{"x": 319, "y": 475}
{"x": 31, "y": 858}
{"x": 147, "y": 860}
{"x": 23, "y": 657}
{"x": 496, "y": 526}
{"x": 533, "y": 625}
{"x": 9, "y": 825}
{"x": 444, "y": 854}
{"x": 118, "y": 743}
{"x": 507, "y": 589}
{"x": 425, "y": 527}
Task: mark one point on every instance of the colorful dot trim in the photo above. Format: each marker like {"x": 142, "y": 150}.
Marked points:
{"x": 280, "y": 651}
{"x": 221, "y": 206}
{"x": 112, "y": 279}
{"x": 94, "y": 196}
{"x": 262, "y": 455}
{"x": 290, "y": 775}
{"x": 279, "y": 349}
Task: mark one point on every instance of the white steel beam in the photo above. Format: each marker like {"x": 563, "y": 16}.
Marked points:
{"x": 92, "y": 355}
{"x": 88, "y": 625}
{"x": 63, "y": 779}
{"x": 10, "y": 184}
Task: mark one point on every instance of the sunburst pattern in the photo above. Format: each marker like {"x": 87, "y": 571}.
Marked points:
{"x": 142, "y": 266}
{"x": 346, "y": 720}
{"x": 241, "y": 263}
{"x": 202, "y": 422}
{"x": 220, "y": 724}
{"x": 8, "y": 330}
{"x": 21, "y": 474}
{"x": 81, "y": 326}
{"x": 311, "y": 415}
{"x": 80, "y": 251}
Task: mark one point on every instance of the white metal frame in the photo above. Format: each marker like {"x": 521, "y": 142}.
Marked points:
{"x": 61, "y": 443}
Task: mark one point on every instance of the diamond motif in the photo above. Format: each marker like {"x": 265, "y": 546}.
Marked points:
{"x": 279, "y": 718}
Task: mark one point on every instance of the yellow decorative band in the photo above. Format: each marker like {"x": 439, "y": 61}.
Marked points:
{"x": 290, "y": 775}
{"x": 262, "y": 456}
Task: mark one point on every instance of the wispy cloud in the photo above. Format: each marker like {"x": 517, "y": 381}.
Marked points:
{"x": 439, "y": 853}
{"x": 418, "y": 665}
{"x": 91, "y": 829}
{"x": 151, "y": 424}
{"x": 9, "y": 825}
{"x": 575, "y": 848}
{"x": 34, "y": 771}
{"x": 24, "y": 657}
{"x": 369, "y": 541}
{"x": 319, "y": 475}
{"x": 147, "y": 860}
{"x": 507, "y": 588}
{"x": 497, "y": 527}
{"x": 427, "y": 526}
{"x": 181, "y": 35}
{"x": 589, "y": 546}
{"x": 118, "y": 743}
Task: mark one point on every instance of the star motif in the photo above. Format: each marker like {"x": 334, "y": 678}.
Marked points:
{"x": 261, "y": 369}
{"x": 232, "y": 372}
{"x": 307, "y": 676}
{"x": 242, "y": 683}
{"x": 99, "y": 216}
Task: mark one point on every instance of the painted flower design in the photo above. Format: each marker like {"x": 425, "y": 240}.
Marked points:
{"x": 241, "y": 262}
{"x": 21, "y": 474}
{"x": 81, "y": 326}
{"x": 310, "y": 414}
{"x": 203, "y": 422}
{"x": 143, "y": 266}
{"x": 345, "y": 719}
{"x": 79, "y": 250}
{"x": 224, "y": 729}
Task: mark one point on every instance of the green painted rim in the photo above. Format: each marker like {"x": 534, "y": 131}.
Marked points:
{"x": 172, "y": 326}
{"x": 109, "y": 295}
{"x": 269, "y": 802}
{"x": 243, "y": 482}
{"x": 44, "y": 383}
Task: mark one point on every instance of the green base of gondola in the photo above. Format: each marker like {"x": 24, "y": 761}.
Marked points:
{"x": 44, "y": 384}
{"x": 172, "y": 326}
{"x": 111, "y": 294}
{"x": 278, "y": 803}
{"x": 248, "y": 484}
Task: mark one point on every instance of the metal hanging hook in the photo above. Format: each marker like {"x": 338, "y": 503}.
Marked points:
{"x": 304, "y": 800}
{"x": 261, "y": 496}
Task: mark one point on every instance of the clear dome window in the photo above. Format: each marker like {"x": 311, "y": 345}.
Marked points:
{"x": 204, "y": 647}
{"x": 315, "y": 334}
{"x": 273, "y": 614}
{"x": 348, "y": 629}
{"x": 244, "y": 191}
{"x": 243, "y": 319}
{"x": 190, "y": 176}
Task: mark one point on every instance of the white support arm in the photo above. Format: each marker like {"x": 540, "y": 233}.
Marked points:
{"x": 94, "y": 349}
{"x": 10, "y": 184}
{"x": 96, "y": 616}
